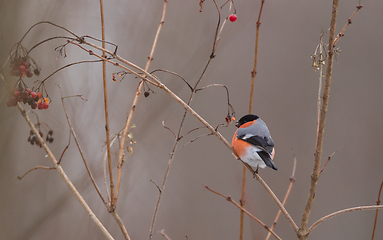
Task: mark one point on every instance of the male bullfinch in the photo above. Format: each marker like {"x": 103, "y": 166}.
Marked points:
{"x": 253, "y": 143}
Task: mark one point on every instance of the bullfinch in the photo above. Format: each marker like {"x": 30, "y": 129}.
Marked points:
{"x": 253, "y": 143}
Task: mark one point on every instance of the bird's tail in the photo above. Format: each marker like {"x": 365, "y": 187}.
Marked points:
{"x": 266, "y": 158}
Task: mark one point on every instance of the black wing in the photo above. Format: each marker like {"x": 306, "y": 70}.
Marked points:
{"x": 265, "y": 143}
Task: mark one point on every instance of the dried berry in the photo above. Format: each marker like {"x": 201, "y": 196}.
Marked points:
{"x": 36, "y": 71}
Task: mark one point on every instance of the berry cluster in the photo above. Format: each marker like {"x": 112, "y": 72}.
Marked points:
{"x": 21, "y": 67}
{"x": 34, "y": 140}
{"x": 25, "y": 95}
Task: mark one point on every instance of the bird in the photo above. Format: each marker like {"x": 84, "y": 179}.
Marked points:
{"x": 252, "y": 142}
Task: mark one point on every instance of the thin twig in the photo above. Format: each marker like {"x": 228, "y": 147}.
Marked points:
{"x": 130, "y": 116}
{"x": 105, "y": 166}
{"x": 223, "y": 24}
{"x": 254, "y": 71}
{"x": 168, "y": 128}
{"x": 253, "y": 74}
{"x": 66, "y": 148}
{"x": 328, "y": 160}
{"x": 162, "y": 189}
{"x": 64, "y": 176}
{"x": 80, "y": 151}
{"x": 341, "y": 34}
{"x": 162, "y": 232}
{"x": 190, "y": 110}
{"x": 292, "y": 181}
{"x": 228, "y": 198}
{"x": 47, "y": 22}
{"x": 35, "y": 168}
{"x": 280, "y": 205}
{"x": 302, "y": 234}
{"x": 68, "y": 65}
{"x": 376, "y": 213}
{"x": 193, "y": 140}
{"x": 320, "y": 64}
{"x": 106, "y": 111}
{"x": 334, "y": 214}
{"x": 176, "y": 74}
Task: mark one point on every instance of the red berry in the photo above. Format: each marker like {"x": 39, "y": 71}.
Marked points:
{"x": 46, "y": 105}
{"x": 22, "y": 69}
{"x": 26, "y": 64}
{"x": 233, "y": 18}
{"x": 39, "y": 94}
{"x": 33, "y": 94}
{"x": 17, "y": 93}
{"x": 29, "y": 74}
{"x": 24, "y": 95}
{"x": 34, "y": 105}
{"x": 40, "y": 106}
{"x": 29, "y": 90}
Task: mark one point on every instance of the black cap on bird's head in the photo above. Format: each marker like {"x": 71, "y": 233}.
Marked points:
{"x": 245, "y": 119}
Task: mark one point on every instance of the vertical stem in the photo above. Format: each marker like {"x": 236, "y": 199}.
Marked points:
{"x": 302, "y": 233}
{"x": 112, "y": 203}
{"x": 376, "y": 213}
{"x": 253, "y": 73}
{"x": 135, "y": 100}
{"x": 320, "y": 84}
{"x": 242, "y": 203}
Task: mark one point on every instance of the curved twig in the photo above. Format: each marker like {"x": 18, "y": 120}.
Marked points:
{"x": 35, "y": 168}
{"x": 334, "y": 214}
{"x": 49, "y": 39}
{"x": 168, "y": 128}
{"x": 176, "y": 74}
{"x": 68, "y": 65}
{"x": 47, "y": 22}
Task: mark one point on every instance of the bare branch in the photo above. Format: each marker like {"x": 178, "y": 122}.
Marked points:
{"x": 292, "y": 181}
{"x": 319, "y": 143}
{"x": 162, "y": 232}
{"x": 280, "y": 205}
{"x": 341, "y": 34}
{"x": 228, "y": 198}
{"x": 35, "y": 168}
{"x": 80, "y": 151}
{"x": 376, "y": 213}
{"x": 64, "y": 176}
{"x": 328, "y": 160}
{"x": 163, "y": 124}
{"x": 361, "y": 208}
{"x": 130, "y": 116}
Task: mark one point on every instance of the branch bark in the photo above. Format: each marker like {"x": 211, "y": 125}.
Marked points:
{"x": 302, "y": 233}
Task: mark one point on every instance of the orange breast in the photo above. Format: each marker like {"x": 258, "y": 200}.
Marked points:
{"x": 240, "y": 146}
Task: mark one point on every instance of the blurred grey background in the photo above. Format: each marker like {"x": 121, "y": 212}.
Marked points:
{"x": 41, "y": 206}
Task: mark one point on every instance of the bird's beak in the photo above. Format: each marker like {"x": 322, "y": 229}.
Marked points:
{"x": 237, "y": 124}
